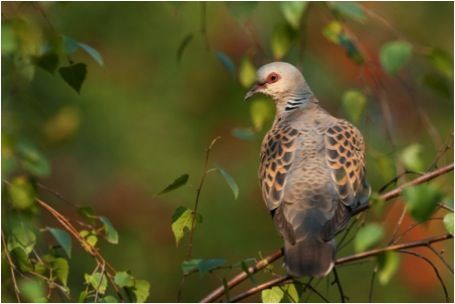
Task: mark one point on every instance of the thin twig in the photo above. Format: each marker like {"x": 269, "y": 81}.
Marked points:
{"x": 12, "y": 268}
{"x": 439, "y": 255}
{"x": 395, "y": 180}
{"x": 219, "y": 291}
{"x": 444, "y": 206}
{"x": 340, "y": 288}
{"x": 435, "y": 269}
{"x": 370, "y": 291}
{"x": 260, "y": 287}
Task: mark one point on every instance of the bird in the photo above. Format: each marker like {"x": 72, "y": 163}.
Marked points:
{"x": 312, "y": 171}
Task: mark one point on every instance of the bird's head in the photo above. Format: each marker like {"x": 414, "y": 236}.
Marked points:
{"x": 278, "y": 80}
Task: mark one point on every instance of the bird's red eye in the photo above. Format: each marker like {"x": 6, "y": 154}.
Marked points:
{"x": 273, "y": 77}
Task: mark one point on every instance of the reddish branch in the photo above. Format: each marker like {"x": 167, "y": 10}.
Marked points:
{"x": 218, "y": 292}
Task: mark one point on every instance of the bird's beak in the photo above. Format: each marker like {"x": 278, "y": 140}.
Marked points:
{"x": 252, "y": 92}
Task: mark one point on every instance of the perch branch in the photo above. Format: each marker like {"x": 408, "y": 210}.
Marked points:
{"x": 219, "y": 291}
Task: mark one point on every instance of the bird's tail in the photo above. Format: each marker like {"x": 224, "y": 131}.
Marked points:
{"x": 309, "y": 257}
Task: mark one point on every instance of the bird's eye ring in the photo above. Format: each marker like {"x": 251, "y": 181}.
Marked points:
{"x": 273, "y": 77}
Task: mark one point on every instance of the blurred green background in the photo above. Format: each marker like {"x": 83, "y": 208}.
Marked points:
{"x": 144, "y": 118}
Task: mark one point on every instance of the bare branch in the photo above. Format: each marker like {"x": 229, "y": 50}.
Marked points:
{"x": 340, "y": 288}
{"x": 12, "y": 268}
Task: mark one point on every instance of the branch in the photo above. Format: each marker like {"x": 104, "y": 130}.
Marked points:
{"x": 12, "y": 268}
{"x": 350, "y": 259}
{"x": 219, "y": 291}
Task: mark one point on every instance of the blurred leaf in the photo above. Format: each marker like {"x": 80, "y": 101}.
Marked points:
{"x": 241, "y": 10}
{"x": 333, "y": 31}
{"x": 61, "y": 270}
{"x": 22, "y": 237}
{"x": 92, "y": 53}
{"x": 92, "y": 240}
{"x": 74, "y": 75}
{"x": 203, "y": 266}
{"x": 354, "y": 103}
{"x": 63, "y": 238}
{"x": 349, "y": 9}
{"x": 83, "y": 296}
{"x": 247, "y": 72}
{"x": 442, "y": 61}
{"x": 422, "y": 200}
{"x": 9, "y": 41}
{"x": 351, "y": 49}
{"x": 227, "y": 62}
{"x": 394, "y": 55}
{"x": 377, "y": 203}
{"x": 179, "y": 182}
{"x": 244, "y": 267}
{"x": 87, "y": 213}
{"x": 21, "y": 193}
{"x": 141, "y": 290}
{"x": 48, "y": 62}
{"x": 388, "y": 266}
{"x": 230, "y": 181}
{"x": 261, "y": 111}
{"x": 32, "y": 160}
{"x": 20, "y": 259}
{"x": 33, "y": 290}
{"x": 70, "y": 45}
{"x": 448, "y": 222}
{"x": 111, "y": 233}
{"x": 292, "y": 293}
{"x": 272, "y": 295}
{"x": 181, "y": 221}
{"x": 368, "y": 236}
{"x": 244, "y": 134}
{"x": 293, "y": 11}
{"x": 283, "y": 36}
{"x": 411, "y": 157}
{"x": 124, "y": 279}
{"x": 385, "y": 166}
{"x": 63, "y": 125}
{"x": 109, "y": 299}
{"x": 438, "y": 84}
{"x": 183, "y": 45}
{"x": 97, "y": 280}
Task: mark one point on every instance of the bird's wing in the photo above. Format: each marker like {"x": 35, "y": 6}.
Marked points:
{"x": 277, "y": 153}
{"x": 345, "y": 154}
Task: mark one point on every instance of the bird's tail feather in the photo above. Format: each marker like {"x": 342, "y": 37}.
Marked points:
{"x": 309, "y": 257}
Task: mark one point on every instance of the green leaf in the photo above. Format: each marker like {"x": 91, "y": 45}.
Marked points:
{"x": 33, "y": 290}
{"x": 283, "y": 36}
{"x": 92, "y": 240}
{"x": 111, "y": 234}
{"x": 83, "y": 296}
{"x": 354, "y": 103}
{"x": 292, "y": 293}
{"x": 92, "y": 53}
{"x": 247, "y": 72}
{"x": 183, "y": 45}
{"x": 244, "y": 133}
{"x": 182, "y": 221}
{"x": 368, "y": 236}
{"x": 411, "y": 157}
{"x": 32, "y": 160}
{"x": 74, "y": 75}
{"x": 385, "y": 166}
{"x": 20, "y": 259}
{"x": 394, "y": 55}
{"x": 448, "y": 222}
{"x": 63, "y": 239}
{"x": 349, "y": 9}
{"x": 179, "y": 182}
{"x": 388, "y": 263}
{"x": 442, "y": 61}
{"x": 377, "y": 203}
{"x": 272, "y": 295}
{"x": 227, "y": 62}
{"x": 203, "y": 266}
{"x": 293, "y": 11}
{"x": 141, "y": 290}
{"x": 261, "y": 112}
{"x": 9, "y": 40}
{"x": 87, "y": 213}
{"x": 241, "y": 10}
{"x": 333, "y": 31}
{"x": 124, "y": 279}
{"x": 422, "y": 200}
{"x": 22, "y": 237}
{"x": 109, "y": 299}
{"x": 97, "y": 280}
{"x": 230, "y": 181}
{"x": 61, "y": 270}
{"x": 21, "y": 193}
{"x": 70, "y": 45}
